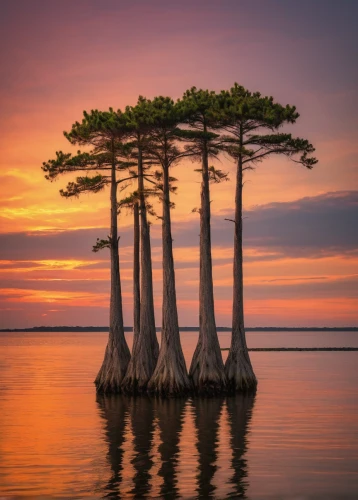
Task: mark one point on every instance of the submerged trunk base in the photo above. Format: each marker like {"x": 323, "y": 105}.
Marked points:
{"x": 114, "y": 366}
{"x": 207, "y": 372}
{"x": 208, "y": 387}
{"x": 170, "y": 377}
{"x": 133, "y": 386}
{"x": 239, "y": 373}
{"x": 142, "y": 364}
{"x": 137, "y": 377}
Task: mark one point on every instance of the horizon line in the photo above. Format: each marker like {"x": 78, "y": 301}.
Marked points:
{"x": 183, "y": 328}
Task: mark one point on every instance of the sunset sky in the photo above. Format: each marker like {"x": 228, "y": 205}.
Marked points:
{"x": 59, "y": 58}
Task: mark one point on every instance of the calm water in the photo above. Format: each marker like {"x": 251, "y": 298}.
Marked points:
{"x": 297, "y": 438}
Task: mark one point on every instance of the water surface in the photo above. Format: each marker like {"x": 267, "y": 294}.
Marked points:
{"x": 296, "y": 438}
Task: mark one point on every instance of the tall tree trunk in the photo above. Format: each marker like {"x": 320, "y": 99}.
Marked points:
{"x": 117, "y": 354}
{"x": 207, "y": 368}
{"x": 239, "y": 372}
{"x": 136, "y": 274}
{"x": 170, "y": 376}
{"x": 145, "y": 348}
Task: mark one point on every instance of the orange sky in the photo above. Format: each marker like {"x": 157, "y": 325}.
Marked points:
{"x": 301, "y": 259}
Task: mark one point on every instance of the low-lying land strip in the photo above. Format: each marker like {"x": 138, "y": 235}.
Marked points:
{"x": 298, "y": 349}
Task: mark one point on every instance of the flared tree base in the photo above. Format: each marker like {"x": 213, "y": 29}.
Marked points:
{"x": 114, "y": 367}
{"x": 140, "y": 368}
{"x": 240, "y": 376}
{"x": 136, "y": 378}
{"x": 207, "y": 372}
{"x": 170, "y": 377}
{"x": 134, "y": 385}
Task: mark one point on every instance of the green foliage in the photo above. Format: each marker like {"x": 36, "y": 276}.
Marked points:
{"x": 216, "y": 175}
{"x": 104, "y": 131}
{"x": 152, "y": 125}
{"x": 200, "y": 111}
{"x": 66, "y": 163}
{"x": 244, "y": 115}
{"x": 97, "y": 128}
{"x": 159, "y": 181}
{"x": 161, "y": 147}
{"x": 100, "y": 244}
{"x": 129, "y": 201}
{"x": 84, "y": 185}
{"x": 253, "y": 109}
{"x": 201, "y": 124}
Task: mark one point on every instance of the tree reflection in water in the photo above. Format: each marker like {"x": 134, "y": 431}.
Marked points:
{"x": 170, "y": 420}
{"x": 239, "y": 409}
{"x": 166, "y": 417}
{"x": 142, "y": 420}
{"x": 114, "y": 411}
{"x": 207, "y": 413}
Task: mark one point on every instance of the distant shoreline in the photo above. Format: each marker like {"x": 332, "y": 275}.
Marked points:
{"x": 296, "y": 349}
{"x": 64, "y": 329}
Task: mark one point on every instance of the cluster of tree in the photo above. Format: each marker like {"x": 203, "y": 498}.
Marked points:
{"x": 140, "y": 145}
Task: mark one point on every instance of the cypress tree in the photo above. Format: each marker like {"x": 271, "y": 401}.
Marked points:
{"x": 170, "y": 376}
{"x": 100, "y": 130}
{"x": 201, "y": 114}
{"x": 145, "y": 344}
{"x": 248, "y": 117}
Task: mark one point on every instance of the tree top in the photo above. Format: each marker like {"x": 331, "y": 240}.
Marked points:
{"x": 242, "y": 107}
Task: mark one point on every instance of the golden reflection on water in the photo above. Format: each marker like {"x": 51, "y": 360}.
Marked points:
{"x": 297, "y": 437}
{"x": 173, "y": 450}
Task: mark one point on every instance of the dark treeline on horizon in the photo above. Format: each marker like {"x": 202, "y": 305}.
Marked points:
{"x": 66, "y": 329}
